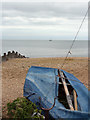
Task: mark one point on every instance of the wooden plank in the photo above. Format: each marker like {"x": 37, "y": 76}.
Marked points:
{"x": 75, "y": 99}
{"x": 62, "y": 83}
{"x": 66, "y": 91}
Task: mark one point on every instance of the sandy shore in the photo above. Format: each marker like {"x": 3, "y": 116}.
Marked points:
{"x": 14, "y": 72}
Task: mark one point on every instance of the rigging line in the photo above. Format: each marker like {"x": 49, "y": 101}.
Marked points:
{"x": 75, "y": 38}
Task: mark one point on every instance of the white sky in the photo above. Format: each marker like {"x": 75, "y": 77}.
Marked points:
{"x": 43, "y": 20}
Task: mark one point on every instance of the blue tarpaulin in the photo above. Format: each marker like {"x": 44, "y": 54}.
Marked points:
{"x": 43, "y": 82}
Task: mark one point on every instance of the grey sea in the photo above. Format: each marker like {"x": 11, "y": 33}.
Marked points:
{"x": 46, "y": 48}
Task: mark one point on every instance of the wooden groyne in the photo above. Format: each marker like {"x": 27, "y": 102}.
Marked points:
{"x": 11, "y": 55}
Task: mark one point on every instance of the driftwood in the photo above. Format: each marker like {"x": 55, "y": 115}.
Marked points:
{"x": 75, "y": 99}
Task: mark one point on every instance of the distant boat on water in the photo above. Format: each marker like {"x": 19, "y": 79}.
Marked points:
{"x": 50, "y": 40}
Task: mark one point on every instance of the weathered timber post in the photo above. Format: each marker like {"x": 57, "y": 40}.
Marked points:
{"x": 19, "y": 56}
{"x": 24, "y": 56}
{"x": 4, "y": 57}
{"x": 16, "y": 55}
{"x": 9, "y": 54}
{"x": 13, "y": 54}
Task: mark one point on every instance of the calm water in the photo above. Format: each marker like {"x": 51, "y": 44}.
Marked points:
{"x": 45, "y": 48}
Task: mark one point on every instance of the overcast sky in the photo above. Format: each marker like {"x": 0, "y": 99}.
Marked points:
{"x": 43, "y": 21}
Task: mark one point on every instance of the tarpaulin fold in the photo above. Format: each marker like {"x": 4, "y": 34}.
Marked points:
{"x": 42, "y": 83}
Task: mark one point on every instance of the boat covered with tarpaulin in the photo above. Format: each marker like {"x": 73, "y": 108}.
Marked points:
{"x": 42, "y": 86}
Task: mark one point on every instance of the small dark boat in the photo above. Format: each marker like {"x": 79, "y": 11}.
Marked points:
{"x": 43, "y": 85}
{"x": 50, "y": 40}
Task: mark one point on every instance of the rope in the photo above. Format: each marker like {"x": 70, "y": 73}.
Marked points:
{"x": 74, "y": 39}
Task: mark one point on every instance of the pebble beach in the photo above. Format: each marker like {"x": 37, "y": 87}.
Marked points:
{"x": 15, "y": 70}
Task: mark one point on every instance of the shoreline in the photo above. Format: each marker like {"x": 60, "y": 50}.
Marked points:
{"x": 51, "y": 58}
{"x": 58, "y": 57}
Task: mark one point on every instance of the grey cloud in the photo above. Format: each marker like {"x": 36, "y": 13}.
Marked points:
{"x": 20, "y": 14}
{"x": 44, "y": 9}
{"x": 29, "y": 12}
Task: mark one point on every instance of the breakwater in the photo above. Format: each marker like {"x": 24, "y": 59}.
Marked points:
{"x": 11, "y": 55}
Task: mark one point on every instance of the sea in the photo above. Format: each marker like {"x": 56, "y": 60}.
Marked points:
{"x": 46, "y": 48}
